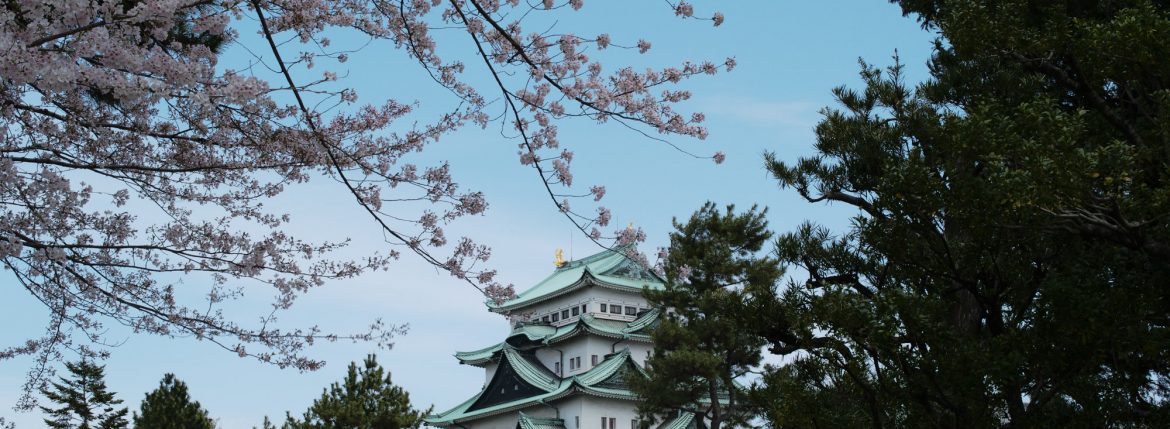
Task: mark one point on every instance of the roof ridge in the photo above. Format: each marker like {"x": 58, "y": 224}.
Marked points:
{"x": 643, "y": 321}
{"x": 580, "y": 273}
{"x": 605, "y": 369}
{"x": 681, "y": 421}
{"x": 535, "y": 374}
{"x": 605, "y": 252}
{"x": 531, "y": 422}
{"x": 483, "y": 350}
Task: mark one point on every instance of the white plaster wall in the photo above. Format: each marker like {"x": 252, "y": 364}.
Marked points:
{"x": 579, "y": 346}
{"x": 594, "y": 408}
{"x": 586, "y": 346}
{"x": 571, "y": 409}
{"x": 548, "y": 356}
{"x": 489, "y": 371}
{"x": 591, "y": 295}
{"x": 638, "y": 350}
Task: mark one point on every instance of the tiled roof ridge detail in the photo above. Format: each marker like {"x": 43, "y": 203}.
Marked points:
{"x": 644, "y": 321}
{"x": 480, "y": 356}
{"x": 684, "y": 420}
{"x": 530, "y": 422}
{"x": 532, "y": 372}
{"x": 608, "y": 268}
{"x": 634, "y": 330}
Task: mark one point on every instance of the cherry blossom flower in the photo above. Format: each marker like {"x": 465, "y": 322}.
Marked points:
{"x": 597, "y": 191}
{"x": 202, "y": 142}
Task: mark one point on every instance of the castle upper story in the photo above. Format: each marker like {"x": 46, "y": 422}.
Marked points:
{"x": 607, "y": 285}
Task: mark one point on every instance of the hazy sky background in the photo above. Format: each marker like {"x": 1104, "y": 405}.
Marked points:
{"x": 790, "y": 55}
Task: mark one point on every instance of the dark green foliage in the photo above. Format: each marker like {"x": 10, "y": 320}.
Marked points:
{"x": 1010, "y": 260}
{"x": 83, "y": 399}
{"x": 716, "y": 284}
{"x": 366, "y": 399}
{"x": 170, "y": 407}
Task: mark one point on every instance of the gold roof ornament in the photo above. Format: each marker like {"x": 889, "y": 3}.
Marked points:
{"x": 559, "y": 260}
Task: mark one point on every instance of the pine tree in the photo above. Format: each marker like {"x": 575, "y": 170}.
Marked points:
{"x": 715, "y": 284}
{"x": 85, "y": 402}
{"x": 366, "y": 399}
{"x": 170, "y": 407}
{"x": 1007, "y": 266}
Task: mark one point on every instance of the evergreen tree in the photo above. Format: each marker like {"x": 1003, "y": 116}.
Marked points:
{"x": 1008, "y": 263}
{"x": 85, "y": 402}
{"x": 366, "y": 399}
{"x": 715, "y": 285}
{"x": 170, "y": 407}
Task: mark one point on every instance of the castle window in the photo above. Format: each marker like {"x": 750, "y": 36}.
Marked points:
{"x": 577, "y": 421}
{"x": 565, "y": 314}
{"x": 557, "y": 368}
{"x": 556, "y": 317}
{"x": 572, "y": 364}
{"x": 576, "y": 311}
{"x": 630, "y": 311}
{"x": 544, "y": 319}
{"x": 615, "y": 309}
{"x": 584, "y": 309}
{"x": 594, "y": 360}
{"x": 602, "y": 308}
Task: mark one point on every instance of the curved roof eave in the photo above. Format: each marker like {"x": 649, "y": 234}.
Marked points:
{"x": 594, "y": 269}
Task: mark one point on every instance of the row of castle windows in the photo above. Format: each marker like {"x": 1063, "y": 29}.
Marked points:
{"x": 556, "y": 316}
{"x": 610, "y": 423}
{"x": 575, "y": 363}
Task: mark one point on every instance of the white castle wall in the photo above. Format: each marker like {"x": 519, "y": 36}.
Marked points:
{"x": 489, "y": 371}
{"x": 591, "y": 296}
{"x": 585, "y": 347}
{"x": 590, "y": 410}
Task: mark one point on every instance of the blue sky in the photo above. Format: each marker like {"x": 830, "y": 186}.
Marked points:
{"x": 790, "y": 55}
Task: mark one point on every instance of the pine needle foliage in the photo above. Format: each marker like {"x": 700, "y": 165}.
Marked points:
{"x": 84, "y": 402}
{"x": 170, "y": 407}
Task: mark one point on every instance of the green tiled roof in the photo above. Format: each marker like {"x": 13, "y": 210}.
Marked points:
{"x": 535, "y": 373}
{"x": 609, "y": 268}
{"x": 532, "y": 372}
{"x": 479, "y": 357}
{"x": 684, "y": 420}
{"x": 533, "y": 331}
{"x": 541, "y": 333}
{"x": 643, "y": 322}
{"x": 529, "y": 422}
{"x": 607, "y": 368}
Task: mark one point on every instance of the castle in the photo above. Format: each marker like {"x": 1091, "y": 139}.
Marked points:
{"x": 578, "y": 334}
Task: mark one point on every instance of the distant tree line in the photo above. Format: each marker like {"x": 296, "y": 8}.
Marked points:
{"x": 365, "y": 399}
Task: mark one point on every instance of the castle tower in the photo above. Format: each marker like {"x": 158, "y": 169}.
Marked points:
{"x": 564, "y": 365}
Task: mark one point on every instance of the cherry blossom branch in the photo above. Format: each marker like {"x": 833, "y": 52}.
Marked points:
{"x": 336, "y": 166}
